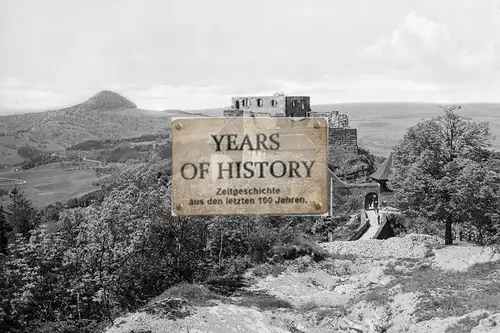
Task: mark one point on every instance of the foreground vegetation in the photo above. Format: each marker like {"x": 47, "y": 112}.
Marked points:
{"x": 115, "y": 255}
{"x": 444, "y": 173}
{"x": 77, "y": 266}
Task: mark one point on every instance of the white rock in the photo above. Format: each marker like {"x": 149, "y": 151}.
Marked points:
{"x": 490, "y": 324}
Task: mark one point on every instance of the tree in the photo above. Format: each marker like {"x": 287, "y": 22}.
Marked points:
{"x": 429, "y": 161}
{"x": 480, "y": 191}
{"x": 23, "y": 217}
{"x": 3, "y": 232}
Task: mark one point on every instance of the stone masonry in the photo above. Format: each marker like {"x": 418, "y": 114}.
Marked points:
{"x": 277, "y": 105}
{"x": 341, "y": 138}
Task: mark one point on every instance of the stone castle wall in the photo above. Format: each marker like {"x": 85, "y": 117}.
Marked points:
{"x": 340, "y": 136}
{"x": 272, "y": 105}
{"x": 343, "y": 139}
{"x": 247, "y": 113}
{"x": 335, "y": 120}
{"x": 277, "y": 105}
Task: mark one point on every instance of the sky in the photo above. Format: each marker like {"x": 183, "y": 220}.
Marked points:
{"x": 187, "y": 54}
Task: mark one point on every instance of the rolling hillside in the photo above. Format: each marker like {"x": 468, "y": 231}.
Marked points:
{"x": 106, "y": 115}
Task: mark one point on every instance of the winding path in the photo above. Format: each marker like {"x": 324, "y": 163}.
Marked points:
{"x": 374, "y": 226}
{"x": 11, "y": 182}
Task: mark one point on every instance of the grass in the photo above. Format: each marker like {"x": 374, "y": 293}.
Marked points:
{"x": 309, "y": 306}
{"x": 465, "y": 325}
{"x": 262, "y": 301}
{"x": 266, "y": 269}
{"x": 444, "y": 293}
{"x": 49, "y": 186}
{"x": 334, "y": 311}
{"x": 336, "y": 268}
{"x": 199, "y": 295}
{"x": 299, "y": 245}
{"x": 324, "y": 312}
{"x": 195, "y": 294}
{"x": 9, "y": 181}
{"x": 376, "y": 297}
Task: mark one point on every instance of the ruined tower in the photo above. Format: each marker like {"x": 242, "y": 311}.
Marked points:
{"x": 277, "y": 105}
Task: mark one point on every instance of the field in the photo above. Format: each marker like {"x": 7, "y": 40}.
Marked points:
{"x": 10, "y": 181}
{"x": 46, "y": 187}
{"x": 381, "y": 125}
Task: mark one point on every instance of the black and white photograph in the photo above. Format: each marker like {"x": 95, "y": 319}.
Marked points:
{"x": 264, "y": 166}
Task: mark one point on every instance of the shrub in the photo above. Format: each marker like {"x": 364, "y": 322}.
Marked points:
{"x": 308, "y": 306}
{"x": 70, "y": 326}
{"x": 263, "y": 301}
{"x": 194, "y": 293}
{"x": 292, "y": 246}
{"x": 267, "y": 269}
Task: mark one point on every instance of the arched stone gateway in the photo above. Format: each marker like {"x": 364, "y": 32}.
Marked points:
{"x": 371, "y": 201}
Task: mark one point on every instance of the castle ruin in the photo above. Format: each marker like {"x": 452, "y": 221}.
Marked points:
{"x": 278, "y": 105}
{"x": 342, "y": 141}
{"x": 341, "y": 138}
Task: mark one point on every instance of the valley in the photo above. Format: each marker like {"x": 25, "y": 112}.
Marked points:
{"x": 99, "y": 175}
{"x": 45, "y": 187}
{"x": 108, "y": 128}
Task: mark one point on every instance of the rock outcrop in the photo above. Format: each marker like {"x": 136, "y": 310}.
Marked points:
{"x": 365, "y": 287}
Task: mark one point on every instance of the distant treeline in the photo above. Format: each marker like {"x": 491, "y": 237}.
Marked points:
{"x": 101, "y": 144}
{"x": 51, "y": 212}
{"x": 15, "y": 133}
{"x": 36, "y": 157}
{"x": 121, "y": 153}
{"x": 89, "y": 198}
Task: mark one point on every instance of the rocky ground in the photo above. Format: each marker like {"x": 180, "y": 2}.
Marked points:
{"x": 411, "y": 284}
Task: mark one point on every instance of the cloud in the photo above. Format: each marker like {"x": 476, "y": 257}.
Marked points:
{"x": 431, "y": 33}
{"x": 449, "y": 54}
{"x": 417, "y": 35}
{"x": 361, "y": 88}
{"x": 16, "y": 95}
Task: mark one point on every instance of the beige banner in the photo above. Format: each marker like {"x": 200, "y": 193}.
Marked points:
{"x": 249, "y": 166}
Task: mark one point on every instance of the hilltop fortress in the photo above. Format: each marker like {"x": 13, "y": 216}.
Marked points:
{"x": 342, "y": 146}
{"x": 340, "y": 136}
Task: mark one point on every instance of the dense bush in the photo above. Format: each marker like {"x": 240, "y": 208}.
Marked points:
{"x": 99, "y": 144}
{"x": 86, "y": 200}
{"x": 36, "y": 157}
{"x": 124, "y": 248}
{"x": 69, "y": 326}
{"x": 291, "y": 245}
{"x": 405, "y": 224}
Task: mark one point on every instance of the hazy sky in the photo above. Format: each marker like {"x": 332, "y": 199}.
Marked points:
{"x": 193, "y": 54}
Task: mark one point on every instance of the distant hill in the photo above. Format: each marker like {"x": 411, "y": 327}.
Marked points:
{"x": 382, "y": 124}
{"x": 181, "y": 113}
{"x": 212, "y": 112}
{"x": 107, "y": 100}
{"x": 107, "y": 115}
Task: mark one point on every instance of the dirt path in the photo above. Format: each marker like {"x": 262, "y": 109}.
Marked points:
{"x": 12, "y": 181}
{"x": 372, "y": 216}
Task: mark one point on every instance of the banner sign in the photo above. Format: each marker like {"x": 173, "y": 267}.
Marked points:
{"x": 249, "y": 166}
